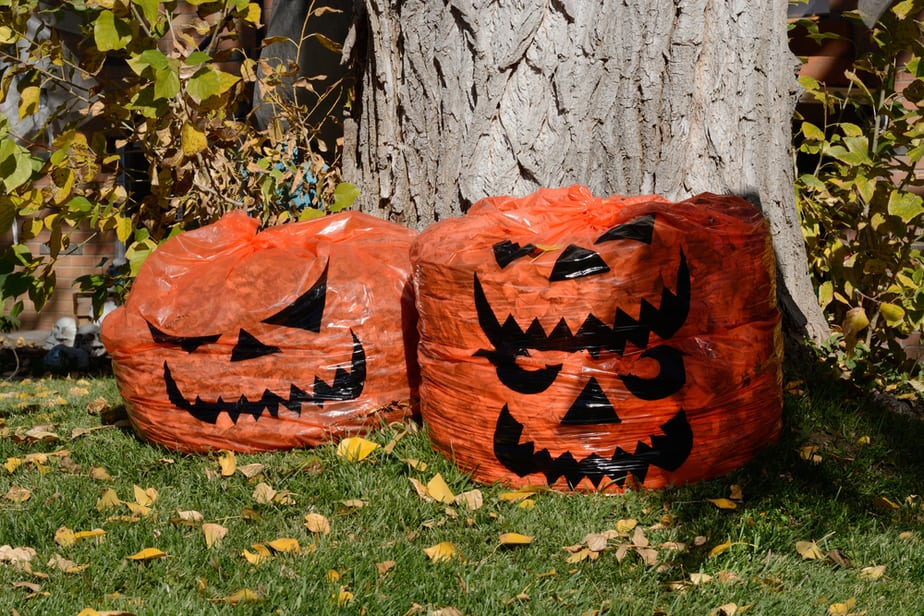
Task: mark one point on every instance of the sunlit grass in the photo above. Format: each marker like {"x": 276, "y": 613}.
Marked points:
{"x": 857, "y": 499}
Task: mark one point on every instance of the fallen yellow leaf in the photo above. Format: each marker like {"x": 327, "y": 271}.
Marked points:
{"x": 729, "y": 609}
{"x": 145, "y": 497}
{"x": 18, "y": 494}
{"x": 251, "y": 470}
{"x": 471, "y": 499}
{"x": 100, "y": 474}
{"x": 147, "y": 554}
{"x": 723, "y": 503}
{"x": 439, "y": 490}
{"x": 872, "y": 573}
{"x": 245, "y": 595}
{"x": 445, "y": 550}
{"x": 722, "y": 547}
{"x": 107, "y": 500}
{"x": 65, "y": 537}
{"x": 263, "y": 493}
{"x": 344, "y": 597}
{"x": 12, "y": 464}
{"x": 260, "y": 554}
{"x": 624, "y": 527}
{"x": 214, "y": 533}
{"x": 317, "y": 523}
{"x": 520, "y": 494}
{"x": 89, "y": 534}
{"x": 842, "y": 609}
{"x": 284, "y": 544}
{"x": 354, "y": 448}
{"x": 809, "y": 550}
{"x": 884, "y": 504}
{"x": 227, "y": 462}
{"x": 515, "y": 539}
{"x": 385, "y": 566}
{"x": 698, "y": 579}
{"x": 416, "y": 464}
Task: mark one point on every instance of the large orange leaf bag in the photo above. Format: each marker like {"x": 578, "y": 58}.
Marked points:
{"x": 234, "y": 339}
{"x": 591, "y": 343}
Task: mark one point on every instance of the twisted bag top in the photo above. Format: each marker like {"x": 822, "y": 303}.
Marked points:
{"x": 252, "y": 341}
{"x": 585, "y": 343}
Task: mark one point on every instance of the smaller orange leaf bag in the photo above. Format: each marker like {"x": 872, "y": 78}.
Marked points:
{"x": 290, "y": 337}
{"x": 592, "y": 344}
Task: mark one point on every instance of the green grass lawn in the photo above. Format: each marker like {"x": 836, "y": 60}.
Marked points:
{"x": 846, "y": 475}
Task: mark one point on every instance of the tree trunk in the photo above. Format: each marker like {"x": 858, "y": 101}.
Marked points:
{"x": 461, "y": 99}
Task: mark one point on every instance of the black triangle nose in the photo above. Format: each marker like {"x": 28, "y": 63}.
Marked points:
{"x": 591, "y": 407}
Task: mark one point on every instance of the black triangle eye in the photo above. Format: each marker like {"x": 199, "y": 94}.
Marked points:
{"x": 577, "y": 262}
{"x": 506, "y": 252}
{"x": 187, "y": 343}
{"x": 248, "y": 347}
{"x": 307, "y": 311}
{"x": 639, "y": 230}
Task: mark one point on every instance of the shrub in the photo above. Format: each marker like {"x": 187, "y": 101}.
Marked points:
{"x": 859, "y": 195}
{"x": 162, "y": 84}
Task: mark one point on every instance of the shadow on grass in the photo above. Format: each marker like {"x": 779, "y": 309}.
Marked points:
{"x": 844, "y": 463}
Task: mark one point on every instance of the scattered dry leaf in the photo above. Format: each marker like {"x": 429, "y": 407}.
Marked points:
{"x": 107, "y": 500}
{"x": 872, "y": 573}
{"x": 251, "y": 470}
{"x": 145, "y": 497}
{"x": 722, "y": 547}
{"x": 472, "y": 500}
{"x": 809, "y": 550}
{"x": 99, "y": 474}
{"x": 317, "y": 523}
{"x": 284, "y": 545}
{"x": 442, "y": 551}
{"x": 385, "y": 566}
{"x": 624, "y": 527}
{"x": 227, "y": 463}
{"x": 729, "y": 609}
{"x": 263, "y": 493}
{"x": 16, "y": 556}
{"x": 18, "y": 494}
{"x": 147, "y": 554}
{"x": 512, "y": 539}
{"x": 97, "y": 406}
{"x": 214, "y": 533}
{"x": 842, "y": 609}
{"x": 723, "y": 503}
{"x": 245, "y": 595}
{"x": 700, "y": 578}
{"x": 354, "y": 448}
{"x": 438, "y": 489}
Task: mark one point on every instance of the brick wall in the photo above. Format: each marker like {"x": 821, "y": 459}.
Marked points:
{"x": 82, "y": 257}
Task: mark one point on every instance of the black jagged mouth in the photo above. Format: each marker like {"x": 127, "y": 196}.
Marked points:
{"x": 667, "y": 451}
{"x": 347, "y": 385}
{"x": 511, "y": 341}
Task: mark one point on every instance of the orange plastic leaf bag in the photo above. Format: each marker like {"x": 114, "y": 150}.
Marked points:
{"x": 246, "y": 341}
{"x": 590, "y": 343}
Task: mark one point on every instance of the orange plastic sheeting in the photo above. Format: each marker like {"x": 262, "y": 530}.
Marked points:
{"x": 234, "y": 339}
{"x": 596, "y": 344}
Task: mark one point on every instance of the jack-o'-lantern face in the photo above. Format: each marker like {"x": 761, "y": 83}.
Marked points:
{"x": 253, "y": 341}
{"x": 589, "y": 343}
{"x": 595, "y": 337}
{"x": 304, "y": 314}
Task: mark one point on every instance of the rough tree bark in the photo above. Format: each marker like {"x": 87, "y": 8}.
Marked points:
{"x": 459, "y": 99}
